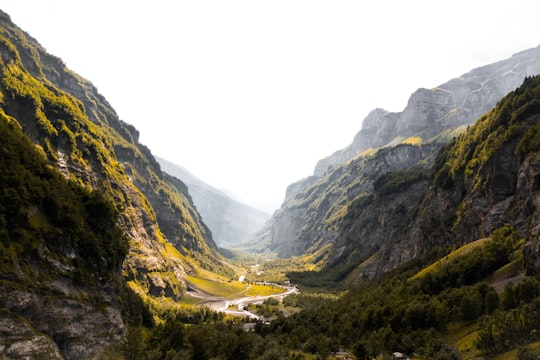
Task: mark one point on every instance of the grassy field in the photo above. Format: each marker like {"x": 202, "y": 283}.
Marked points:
{"x": 231, "y": 289}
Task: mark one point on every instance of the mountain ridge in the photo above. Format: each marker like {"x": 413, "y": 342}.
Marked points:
{"x": 456, "y": 103}
{"x": 307, "y": 227}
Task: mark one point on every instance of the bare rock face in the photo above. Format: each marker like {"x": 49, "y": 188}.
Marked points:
{"x": 492, "y": 184}
{"x": 19, "y": 341}
{"x": 311, "y": 217}
{"x": 74, "y": 327}
{"x": 531, "y": 253}
{"x": 433, "y": 114}
{"x": 378, "y": 129}
{"x": 341, "y": 215}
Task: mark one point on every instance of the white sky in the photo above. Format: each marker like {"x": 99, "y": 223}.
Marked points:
{"x": 248, "y": 95}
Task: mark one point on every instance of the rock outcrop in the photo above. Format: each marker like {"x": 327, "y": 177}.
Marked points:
{"x": 312, "y": 216}
{"x": 435, "y": 114}
{"x": 483, "y": 180}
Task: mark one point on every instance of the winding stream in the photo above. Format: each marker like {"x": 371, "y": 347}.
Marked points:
{"x": 236, "y": 306}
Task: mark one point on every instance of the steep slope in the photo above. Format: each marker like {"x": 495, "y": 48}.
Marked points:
{"x": 78, "y": 133}
{"x": 434, "y": 114}
{"x": 61, "y": 252}
{"x": 343, "y": 216}
{"x": 312, "y": 215}
{"x": 482, "y": 180}
{"x": 230, "y": 221}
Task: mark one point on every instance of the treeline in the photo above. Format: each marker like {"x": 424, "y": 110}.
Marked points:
{"x": 393, "y": 314}
{"x": 397, "y": 181}
{"x": 514, "y": 118}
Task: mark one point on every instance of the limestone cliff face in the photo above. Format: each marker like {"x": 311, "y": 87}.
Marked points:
{"x": 484, "y": 179}
{"x": 230, "y": 221}
{"x": 434, "y": 114}
{"x": 378, "y": 128}
{"x": 312, "y": 217}
{"x": 374, "y": 213}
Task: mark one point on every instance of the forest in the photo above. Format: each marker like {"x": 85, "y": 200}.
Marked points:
{"x": 439, "y": 306}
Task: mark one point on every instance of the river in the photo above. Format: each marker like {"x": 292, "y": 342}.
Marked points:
{"x": 235, "y": 307}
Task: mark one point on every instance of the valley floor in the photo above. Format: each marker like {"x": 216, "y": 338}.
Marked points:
{"x": 235, "y": 297}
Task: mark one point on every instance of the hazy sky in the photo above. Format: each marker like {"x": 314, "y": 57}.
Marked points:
{"x": 248, "y": 95}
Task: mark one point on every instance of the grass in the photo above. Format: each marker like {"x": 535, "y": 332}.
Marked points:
{"x": 263, "y": 290}
{"x": 231, "y": 289}
{"x": 463, "y": 338}
{"x": 413, "y": 140}
{"x": 217, "y": 286}
{"x": 189, "y": 301}
{"x": 512, "y": 355}
{"x": 454, "y": 254}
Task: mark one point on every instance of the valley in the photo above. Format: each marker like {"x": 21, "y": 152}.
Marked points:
{"x": 237, "y": 297}
{"x": 422, "y": 237}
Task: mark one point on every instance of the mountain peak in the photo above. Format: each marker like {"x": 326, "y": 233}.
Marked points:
{"x": 437, "y": 114}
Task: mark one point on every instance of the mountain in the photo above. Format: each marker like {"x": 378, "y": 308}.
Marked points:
{"x": 435, "y": 114}
{"x": 61, "y": 251}
{"x": 455, "y": 250}
{"x": 364, "y": 197}
{"x": 102, "y": 229}
{"x": 230, "y": 221}
{"x": 482, "y": 180}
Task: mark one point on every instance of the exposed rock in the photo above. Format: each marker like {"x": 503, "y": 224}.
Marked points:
{"x": 433, "y": 114}
{"x": 339, "y": 213}
{"x": 19, "y": 341}
{"x": 310, "y": 218}
{"x": 502, "y": 189}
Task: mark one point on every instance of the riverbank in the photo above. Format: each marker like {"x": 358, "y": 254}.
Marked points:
{"x": 237, "y": 306}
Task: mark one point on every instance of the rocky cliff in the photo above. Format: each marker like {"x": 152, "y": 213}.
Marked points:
{"x": 436, "y": 114}
{"x": 367, "y": 196}
{"x": 79, "y": 134}
{"x": 312, "y": 215}
{"x": 61, "y": 252}
{"x": 230, "y": 221}
{"x": 486, "y": 178}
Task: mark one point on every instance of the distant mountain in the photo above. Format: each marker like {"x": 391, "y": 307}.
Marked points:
{"x": 364, "y": 197}
{"x": 230, "y": 221}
